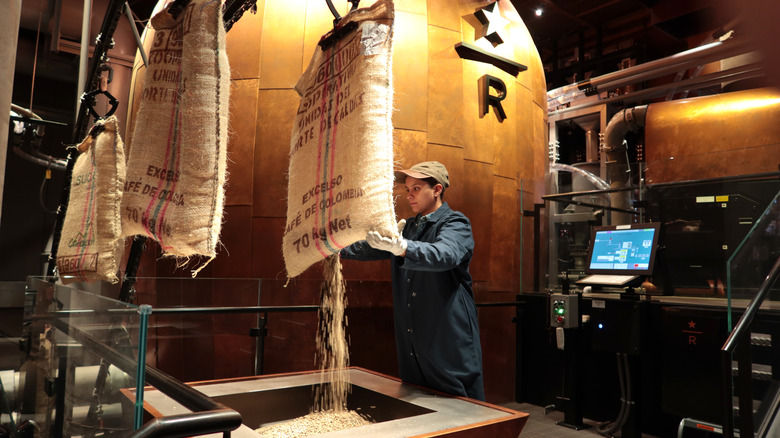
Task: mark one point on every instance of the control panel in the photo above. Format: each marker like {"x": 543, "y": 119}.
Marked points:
{"x": 564, "y": 311}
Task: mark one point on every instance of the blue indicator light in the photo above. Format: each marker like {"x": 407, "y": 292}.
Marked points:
{"x": 601, "y": 326}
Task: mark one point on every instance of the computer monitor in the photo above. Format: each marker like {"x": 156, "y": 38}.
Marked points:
{"x": 623, "y": 249}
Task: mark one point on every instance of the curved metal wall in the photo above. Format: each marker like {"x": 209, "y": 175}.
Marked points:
{"x": 437, "y": 118}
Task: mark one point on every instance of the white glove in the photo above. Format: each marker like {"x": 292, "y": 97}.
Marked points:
{"x": 397, "y": 245}
{"x": 401, "y": 225}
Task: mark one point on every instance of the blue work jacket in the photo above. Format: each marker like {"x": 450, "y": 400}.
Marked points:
{"x": 436, "y": 327}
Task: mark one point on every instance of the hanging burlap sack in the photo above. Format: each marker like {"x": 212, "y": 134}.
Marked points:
{"x": 91, "y": 243}
{"x": 177, "y": 159}
{"x": 341, "y": 150}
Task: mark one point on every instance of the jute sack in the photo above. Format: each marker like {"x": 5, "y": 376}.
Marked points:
{"x": 341, "y": 150}
{"x": 91, "y": 243}
{"x": 177, "y": 159}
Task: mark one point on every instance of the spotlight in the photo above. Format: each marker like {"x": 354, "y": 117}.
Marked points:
{"x": 538, "y": 12}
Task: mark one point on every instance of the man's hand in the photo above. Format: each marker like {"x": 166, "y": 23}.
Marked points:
{"x": 397, "y": 246}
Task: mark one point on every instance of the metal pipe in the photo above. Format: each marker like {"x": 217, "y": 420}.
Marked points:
{"x": 83, "y": 54}
{"x": 185, "y": 310}
{"x": 594, "y": 179}
{"x": 689, "y": 58}
{"x": 728, "y": 52}
{"x": 734, "y": 74}
{"x": 138, "y": 41}
{"x": 625, "y": 121}
{"x": 196, "y": 424}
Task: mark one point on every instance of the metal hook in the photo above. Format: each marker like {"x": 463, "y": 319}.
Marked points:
{"x": 336, "y": 16}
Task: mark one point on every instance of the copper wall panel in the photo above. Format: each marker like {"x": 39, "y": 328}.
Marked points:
{"x": 290, "y": 341}
{"x": 477, "y": 131}
{"x": 503, "y": 235}
{"x": 267, "y": 261}
{"x": 413, "y": 6}
{"x": 241, "y": 142}
{"x": 526, "y": 145}
{"x": 409, "y": 148}
{"x": 234, "y": 356}
{"x": 234, "y": 254}
{"x": 362, "y": 271}
{"x": 478, "y": 190}
{"x": 245, "y": 58}
{"x": 452, "y": 158}
{"x": 281, "y": 46}
{"x": 319, "y": 21}
{"x": 505, "y": 156}
{"x": 370, "y": 325}
{"x": 239, "y": 293}
{"x": 410, "y": 72}
{"x": 275, "y": 114}
{"x": 533, "y": 78}
{"x": 728, "y": 134}
{"x": 442, "y": 13}
{"x": 498, "y": 350}
{"x": 445, "y": 88}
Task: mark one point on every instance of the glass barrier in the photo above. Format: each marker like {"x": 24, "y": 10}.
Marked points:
{"x": 703, "y": 224}
{"x": 748, "y": 266}
{"x": 579, "y": 200}
{"x": 85, "y": 345}
{"x": 81, "y": 371}
{"x": 64, "y": 385}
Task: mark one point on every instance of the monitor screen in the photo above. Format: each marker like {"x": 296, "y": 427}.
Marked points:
{"x": 623, "y": 249}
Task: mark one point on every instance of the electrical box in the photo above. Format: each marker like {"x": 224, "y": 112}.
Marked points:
{"x": 564, "y": 311}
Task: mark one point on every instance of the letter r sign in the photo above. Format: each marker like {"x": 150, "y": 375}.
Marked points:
{"x": 486, "y": 100}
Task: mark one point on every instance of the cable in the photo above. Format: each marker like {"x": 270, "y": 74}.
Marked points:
{"x": 607, "y": 428}
{"x": 40, "y": 194}
{"x": 629, "y": 401}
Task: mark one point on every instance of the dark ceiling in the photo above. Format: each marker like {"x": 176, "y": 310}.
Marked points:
{"x": 592, "y": 37}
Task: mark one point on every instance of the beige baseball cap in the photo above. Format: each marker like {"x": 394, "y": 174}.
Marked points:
{"x": 426, "y": 169}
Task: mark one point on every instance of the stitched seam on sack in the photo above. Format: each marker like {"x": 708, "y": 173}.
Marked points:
{"x": 209, "y": 242}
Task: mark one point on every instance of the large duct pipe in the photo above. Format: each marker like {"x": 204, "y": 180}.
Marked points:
{"x": 627, "y": 120}
{"x": 671, "y": 64}
{"x": 736, "y": 133}
{"x": 713, "y": 79}
{"x": 9, "y": 32}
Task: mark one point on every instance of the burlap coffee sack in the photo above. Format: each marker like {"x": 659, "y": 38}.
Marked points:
{"x": 91, "y": 244}
{"x": 177, "y": 159}
{"x": 341, "y": 150}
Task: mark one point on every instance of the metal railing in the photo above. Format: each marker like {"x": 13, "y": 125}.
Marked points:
{"x": 738, "y": 343}
{"x": 208, "y": 416}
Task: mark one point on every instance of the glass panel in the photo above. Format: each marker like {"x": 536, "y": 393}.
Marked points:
{"x": 211, "y": 328}
{"x": 583, "y": 200}
{"x": 67, "y": 386}
{"x": 752, "y": 260}
{"x": 703, "y": 223}
{"x": 198, "y": 330}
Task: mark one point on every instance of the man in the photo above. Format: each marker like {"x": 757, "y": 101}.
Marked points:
{"x": 436, "y": 327}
